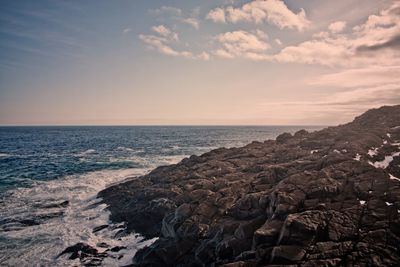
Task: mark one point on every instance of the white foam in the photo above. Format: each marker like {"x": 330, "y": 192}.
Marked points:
{"x": 86, "y": 152}
{"x": 385, "y": 141}
{"x": 388, "y": 135}
{"x": 152, "y": 162}
{"x": 125, "y": 148}
{"x": 357, "y": 157}
{"x": 336, "y": 151}
{"x": 362, "y": 202}
{"x": 4, "y": 155}
{"x": 314, "y": 151}
{"x": 40, "y": 244}
{"x": 373, "y": 152}
{"x": 389, "y": 204}
{"x": 384, "y": 163}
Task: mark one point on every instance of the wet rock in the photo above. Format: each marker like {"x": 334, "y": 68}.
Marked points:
{"x": 117, "y": 248}
{"x": 102, "y": 245}
{"x": 62, "y": 204}
{"x": 79, "y": 250}
{"x": 29, "y": 222}
{"x": 99, "y": 228}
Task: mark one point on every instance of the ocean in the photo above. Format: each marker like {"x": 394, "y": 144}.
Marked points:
{"x": 50, "y": 176}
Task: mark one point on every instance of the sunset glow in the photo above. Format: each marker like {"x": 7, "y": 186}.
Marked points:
{"x": 196, "y": 62}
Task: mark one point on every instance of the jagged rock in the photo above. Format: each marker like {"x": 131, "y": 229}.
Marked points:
{"x": 87, "y": 254}
{"x": 99, "y": 228}
{"x": 325, "y": 198}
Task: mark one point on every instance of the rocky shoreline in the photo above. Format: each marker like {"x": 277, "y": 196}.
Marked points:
{"x": 326, "y": 198}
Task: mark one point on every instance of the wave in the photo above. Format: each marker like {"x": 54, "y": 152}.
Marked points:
{"x": 125, "y": 148}
{"x": 40, "y": 222}
{"x": 154, "y": 161}
{"x": 86, "y": 152}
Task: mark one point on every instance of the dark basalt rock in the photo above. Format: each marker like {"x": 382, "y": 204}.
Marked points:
{"x": 88, "y": 255}
{"x": 323, "y": 198}
{"x": 99, "y": 228}
{"x": 62, "y": 204}
{"x": 117, "y": 248}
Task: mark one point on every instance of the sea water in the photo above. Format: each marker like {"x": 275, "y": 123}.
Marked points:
{"x": 50, "y": 177}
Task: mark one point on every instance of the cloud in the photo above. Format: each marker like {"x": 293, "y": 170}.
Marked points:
{"x": 166, "y": 10}
{"x": 192, "y": 22}
{"x": 241, "y": 44}
{"x": 375, "y": 41}
{"x": 393, "y": 43}
{"x": 335, "y": 107}
{"x": 165, "y": 32}
{"x": 217, "y": 15}
{"x": 361, "y": 77}
{"x": 261, "y": 34}
{"x": 177, "y": 15}
{"x": 323, "y": 52}
{"x": 359, "y": 89}
{"x": 379, "y": 33}
{"x": 272, "y": 11}
{"x": 162, "y": 42}
{"x": 337, "y": 26}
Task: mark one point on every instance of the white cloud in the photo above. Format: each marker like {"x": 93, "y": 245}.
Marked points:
{"x": 165, "y": 32}
{"x": 334, "y": 47}
{"x": 261, "y": 34}
{"x": 162, "y": 42}
{"x": 337, "y": 26}
{"x": 356, "y": 48}
{"x": 217, "y": 15}
{"x": 241, "y": 44}
{"x": 222, "y": 53}
{"x": 192, "y": 22}
{"x": 272, "y": 11}
{"x": 324, "y": 52}
{"x": 158, "y": 43}
{"x": 321, "y": 35}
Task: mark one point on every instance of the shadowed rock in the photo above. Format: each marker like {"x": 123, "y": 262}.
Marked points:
{"x": 326, "y": 198}
{"x": 87, "y": 255}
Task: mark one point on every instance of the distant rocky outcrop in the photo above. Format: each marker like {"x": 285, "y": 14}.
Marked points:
{"x": 326, "y": 198}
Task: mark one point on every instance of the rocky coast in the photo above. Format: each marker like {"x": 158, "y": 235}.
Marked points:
{"x": 324, "y": 198}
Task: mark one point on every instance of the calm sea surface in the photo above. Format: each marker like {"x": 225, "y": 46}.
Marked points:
{"x": 49, "y": 178}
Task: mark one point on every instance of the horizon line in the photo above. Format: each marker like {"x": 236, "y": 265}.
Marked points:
{"x": 156, "y": 125}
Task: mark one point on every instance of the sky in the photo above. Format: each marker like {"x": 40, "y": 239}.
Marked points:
{"x": 225, "y": 62}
